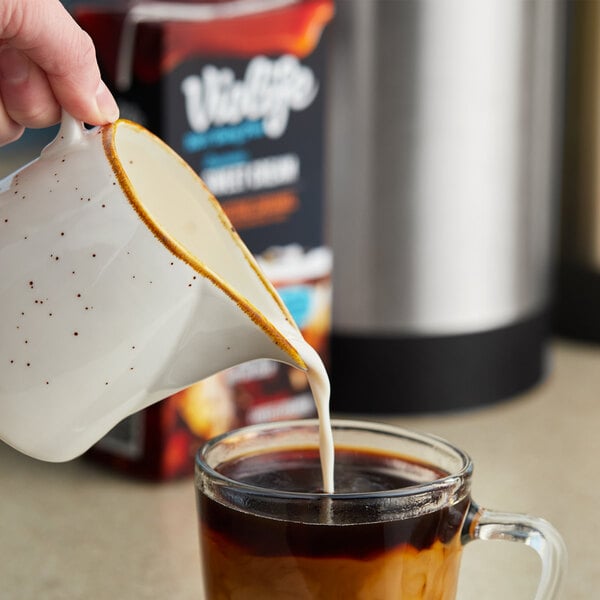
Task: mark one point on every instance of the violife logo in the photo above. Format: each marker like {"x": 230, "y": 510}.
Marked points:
{"x": 222, "y": 110}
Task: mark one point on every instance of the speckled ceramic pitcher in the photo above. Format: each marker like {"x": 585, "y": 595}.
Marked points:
{"x": 121, "y": 282}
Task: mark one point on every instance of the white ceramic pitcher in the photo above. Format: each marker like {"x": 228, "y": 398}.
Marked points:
{"x": 121, "y": 282}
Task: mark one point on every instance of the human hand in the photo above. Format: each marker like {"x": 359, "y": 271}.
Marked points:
{"x": 47, "y": 62}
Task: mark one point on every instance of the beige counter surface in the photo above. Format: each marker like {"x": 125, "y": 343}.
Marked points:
{"x": 71, "y": 531}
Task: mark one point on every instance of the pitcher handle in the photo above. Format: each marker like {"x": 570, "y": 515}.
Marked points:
{"x": 484, "y": 524}
{"x": 71, "y": 133}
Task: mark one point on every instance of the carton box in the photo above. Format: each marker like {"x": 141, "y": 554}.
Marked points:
{"x": 237, "y": 89}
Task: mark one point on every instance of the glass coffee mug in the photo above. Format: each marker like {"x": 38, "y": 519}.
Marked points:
{"x": 393, "y": 529}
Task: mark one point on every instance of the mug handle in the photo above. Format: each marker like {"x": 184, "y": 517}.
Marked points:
{"x": 484, "y": 524}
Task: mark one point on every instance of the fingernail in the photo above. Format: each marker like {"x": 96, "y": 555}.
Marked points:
{"x": 106, "y": 103}
{"x": 14, "y": 66}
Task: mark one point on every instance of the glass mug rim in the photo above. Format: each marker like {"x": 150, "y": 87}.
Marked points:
{"x": 448, "y": 490}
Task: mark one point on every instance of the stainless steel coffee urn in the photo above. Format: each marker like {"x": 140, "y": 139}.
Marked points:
{"x": 444, "y": 129}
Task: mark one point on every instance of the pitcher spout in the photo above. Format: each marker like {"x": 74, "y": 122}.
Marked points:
{"x": 224, "y": 333}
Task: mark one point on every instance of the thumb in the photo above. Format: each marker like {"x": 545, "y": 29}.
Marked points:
{"x": 45, "y": 32}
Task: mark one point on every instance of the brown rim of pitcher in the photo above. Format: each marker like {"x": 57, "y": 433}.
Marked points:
{"x": 108, "y": 141}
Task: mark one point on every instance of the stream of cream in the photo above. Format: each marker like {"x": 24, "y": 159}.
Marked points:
{"x": 320, "y": 387}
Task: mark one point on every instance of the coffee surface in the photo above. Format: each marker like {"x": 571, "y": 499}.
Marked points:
{"x": 358, "y": 471}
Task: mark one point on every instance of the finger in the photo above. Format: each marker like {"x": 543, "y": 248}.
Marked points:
{"x": 9, "y": 130}
{"x": 25, "y": 91}
{"x": 45, "y": 32}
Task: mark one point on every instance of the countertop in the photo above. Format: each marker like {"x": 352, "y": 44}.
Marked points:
{"x": 75, "y": 530}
